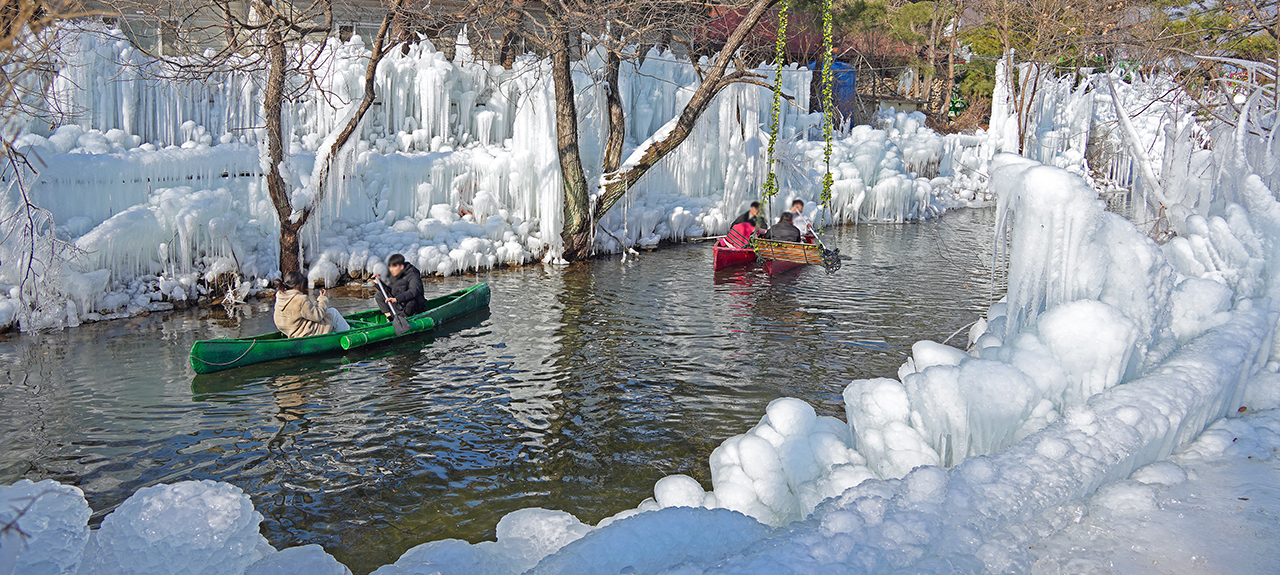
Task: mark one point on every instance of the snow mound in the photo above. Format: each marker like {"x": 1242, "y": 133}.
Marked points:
{"x": 654, "y": 542}
{"x": 1207, "y": 509}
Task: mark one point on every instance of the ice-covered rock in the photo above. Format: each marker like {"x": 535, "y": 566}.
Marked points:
{"x": 654, "y": 542}
{"x": 1092, "y": 341}
{"x": 678, "y": 491}
{"x": 187, "y": 528}
{"x": 1199, "y": 305}
{"x": 879, "y": 412}
{"x": 43, "y": 528}
{"x": 302, "y": 560}
{"x": 523, "y": 538}
{"x": 8, "y": 311}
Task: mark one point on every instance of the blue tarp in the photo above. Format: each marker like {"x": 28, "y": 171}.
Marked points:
{"x": 844, "y": 81}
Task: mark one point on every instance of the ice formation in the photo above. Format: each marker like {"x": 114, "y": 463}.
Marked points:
{"x": 159, "y": 180}
{"x": 43, "y": 528}
{"x": 1100, "y": 365}
{"x": 187, "y": 528}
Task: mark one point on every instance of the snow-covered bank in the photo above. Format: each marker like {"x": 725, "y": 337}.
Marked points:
{"x": 1101, "y": 362}
{"x": 159, "y": 182}
{"x": 1210, "y": 508}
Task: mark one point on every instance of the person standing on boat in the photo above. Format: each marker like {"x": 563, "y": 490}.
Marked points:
{"x": 403, "y": 288}
{"x": 784, "y": 230}
{"x": 799, "y": 220}
{"x": 297, "y": 315}
{"x": 752, "y": 216}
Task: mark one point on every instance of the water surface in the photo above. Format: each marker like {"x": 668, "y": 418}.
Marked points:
{"x": 577, "y": 390}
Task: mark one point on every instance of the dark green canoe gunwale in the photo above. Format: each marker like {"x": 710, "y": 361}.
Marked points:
{"x": 367, "y": 327}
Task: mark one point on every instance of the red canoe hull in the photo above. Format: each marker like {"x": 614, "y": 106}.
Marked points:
{"x": 726, "y": 257}
{"x": 775, "y": 267}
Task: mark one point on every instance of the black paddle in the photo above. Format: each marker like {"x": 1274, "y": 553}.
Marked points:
{"x": 398, "y": 320}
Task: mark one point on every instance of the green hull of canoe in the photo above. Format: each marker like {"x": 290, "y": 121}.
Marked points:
{"x": 208, "y": 356}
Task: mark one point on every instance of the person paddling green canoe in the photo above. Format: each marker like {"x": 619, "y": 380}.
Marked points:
{"x": 403, "y": 289}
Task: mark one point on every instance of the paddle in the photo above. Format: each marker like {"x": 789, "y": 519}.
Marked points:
{"x": 398, "y": 321}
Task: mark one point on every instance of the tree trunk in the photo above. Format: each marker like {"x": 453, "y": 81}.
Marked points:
{"x": 576, "y": 233}
{"x": 273, "y": 100}
{"x": 935, "y": 33}
{"x": 578, "y": 216}
{"x": 507, "y": 53}
{"x": 290, "y": 245}
{"x": 618, "y": 182}
{"x": 952, "y": 46}
{"x": 617, "y": 118}
{"x": 277, "y": 188}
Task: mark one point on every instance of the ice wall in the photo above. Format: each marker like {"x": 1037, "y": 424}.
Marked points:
{"x": 1073, "y": 121}
{"x": 159, "y": 180}
{"x": 1203, "y": 184}
{"x": 1057, "y": 220}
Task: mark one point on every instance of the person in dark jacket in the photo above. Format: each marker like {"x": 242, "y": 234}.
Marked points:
{"x": 784, "y": 230}
{"x": 404, "y": 288}
{"x": 751, "y": 216}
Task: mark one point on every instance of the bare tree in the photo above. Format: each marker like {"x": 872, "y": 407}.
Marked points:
{"x": 726, "y": 69}
{"x": 618, "y": 27}
{"x": 1224, "y": 56}
{"x": 283, "y": 41}
{"x": 1046, "y": 34}
{"x": 33, "y": 252}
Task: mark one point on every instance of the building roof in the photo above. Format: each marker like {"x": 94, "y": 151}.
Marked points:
{"x": 804, "y": 38}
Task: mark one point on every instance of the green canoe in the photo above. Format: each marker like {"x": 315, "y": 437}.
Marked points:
{"x": 367, "y": 327}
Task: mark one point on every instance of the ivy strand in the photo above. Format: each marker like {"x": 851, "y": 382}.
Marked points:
{"x": 771, "y": 180}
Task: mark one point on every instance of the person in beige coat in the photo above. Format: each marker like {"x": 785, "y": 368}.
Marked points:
{"x": 297, "y": 315}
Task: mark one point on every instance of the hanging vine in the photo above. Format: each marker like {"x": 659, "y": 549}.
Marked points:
{"x": 828, "y": 114}
{"x": 771, "y": 179}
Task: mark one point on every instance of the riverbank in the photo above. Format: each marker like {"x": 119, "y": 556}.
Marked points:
{"x": 90, "y": 297}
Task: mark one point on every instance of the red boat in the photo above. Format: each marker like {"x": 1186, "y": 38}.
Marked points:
{"x": 734, "y": 249}
{"x": 775, "y": 267}
{"x": 727, "y": 257}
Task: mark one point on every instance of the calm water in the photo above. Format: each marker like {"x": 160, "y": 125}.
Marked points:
{"x": 578, "y": 390}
